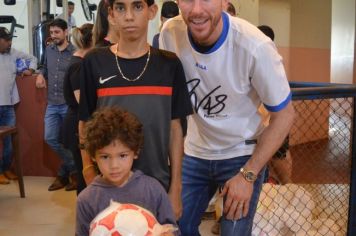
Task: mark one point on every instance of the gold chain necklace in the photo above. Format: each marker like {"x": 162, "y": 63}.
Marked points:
{"x": 144, "y": 68}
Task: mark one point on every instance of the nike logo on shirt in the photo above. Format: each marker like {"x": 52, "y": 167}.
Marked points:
{"x": 101, "y": 80}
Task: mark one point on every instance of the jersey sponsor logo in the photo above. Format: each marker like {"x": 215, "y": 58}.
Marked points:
{"x": 213, "y": 103}
{"x": 200, "y": 66}
{"x": 101, "y": 80}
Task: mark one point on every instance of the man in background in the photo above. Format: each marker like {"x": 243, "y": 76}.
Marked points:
{"x": 9, "y": 95}
{"x": 71, "y": 20}
{"x": 57, "y": 58}
{"x": 169, "y": 10}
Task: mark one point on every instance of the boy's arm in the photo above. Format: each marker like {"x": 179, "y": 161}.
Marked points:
{"x": 87, "y": 106}
{"x": 175, "y": 159}
{"x": 163, "y": 209}
{"x": 89, "y": 171}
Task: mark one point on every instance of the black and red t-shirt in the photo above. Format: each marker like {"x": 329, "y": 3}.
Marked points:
{"x": 159, "y": 96}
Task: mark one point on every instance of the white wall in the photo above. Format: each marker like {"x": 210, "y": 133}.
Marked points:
{"x": 342, "y": 41}
{"x": 276, "y": 14}
{"x": 19, "y": 11}
{"x": 248, "y": 10}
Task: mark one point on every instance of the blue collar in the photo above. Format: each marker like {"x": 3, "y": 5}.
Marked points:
{"x": 219, "y": 42}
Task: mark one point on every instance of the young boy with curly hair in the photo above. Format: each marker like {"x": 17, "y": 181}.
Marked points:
{"x": 113, "y": 138}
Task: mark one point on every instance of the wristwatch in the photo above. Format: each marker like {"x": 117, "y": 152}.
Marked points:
{"x": 249, "y": 175}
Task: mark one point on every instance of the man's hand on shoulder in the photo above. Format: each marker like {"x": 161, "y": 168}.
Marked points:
{"x": 40, "y": 81}
{"x": 27, "y": 72}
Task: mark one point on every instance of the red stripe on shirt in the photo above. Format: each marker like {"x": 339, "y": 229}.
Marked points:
{"x": 136, "y": 90}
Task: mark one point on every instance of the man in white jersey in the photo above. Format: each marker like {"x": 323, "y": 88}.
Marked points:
{"x": 231, "y": 68}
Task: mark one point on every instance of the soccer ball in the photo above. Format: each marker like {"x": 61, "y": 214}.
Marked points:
{"x": 127, "y": 220}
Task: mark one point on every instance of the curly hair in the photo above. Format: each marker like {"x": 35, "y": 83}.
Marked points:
{"x": 109, "y": 124}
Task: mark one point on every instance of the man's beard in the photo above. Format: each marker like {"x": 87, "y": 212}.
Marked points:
{"x": 58, "y": 42}
{"x": 7, "y": 50}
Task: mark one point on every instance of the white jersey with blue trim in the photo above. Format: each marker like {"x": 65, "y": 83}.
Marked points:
{"x": 227, "y": 85}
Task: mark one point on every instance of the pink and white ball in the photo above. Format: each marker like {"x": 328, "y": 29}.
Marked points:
{"x": 127, "y": 220}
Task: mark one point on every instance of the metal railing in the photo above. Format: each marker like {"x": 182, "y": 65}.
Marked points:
{"x": 316, "y": 193}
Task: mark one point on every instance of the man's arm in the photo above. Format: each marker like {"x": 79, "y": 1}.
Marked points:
{"x": 33, "y": 62}
{"x": 175, "y": 158}
{"x": 26, "y": 56}
{"x": 40, "y": 79}
{"x": 239, "y": 191}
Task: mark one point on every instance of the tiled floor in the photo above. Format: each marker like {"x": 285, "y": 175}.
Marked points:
{"x": 42, "y": 213}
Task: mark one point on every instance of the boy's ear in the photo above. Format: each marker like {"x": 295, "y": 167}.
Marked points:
{"x": 152, "y": 11}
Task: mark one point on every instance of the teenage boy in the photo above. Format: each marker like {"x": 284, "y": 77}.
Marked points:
{"x": 231, "y": 68}
{"x": 114, "y": 138}
{"x": 55, "y": 65}
{"x": 147, "y": 82}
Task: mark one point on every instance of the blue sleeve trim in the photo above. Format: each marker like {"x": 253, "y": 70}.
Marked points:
{"x": 281, "y": 105}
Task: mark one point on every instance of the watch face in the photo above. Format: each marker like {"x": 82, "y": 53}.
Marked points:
{"x": 250, "y": 176}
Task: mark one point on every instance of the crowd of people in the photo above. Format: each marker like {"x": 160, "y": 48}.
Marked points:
{"x": 116, "y": 106}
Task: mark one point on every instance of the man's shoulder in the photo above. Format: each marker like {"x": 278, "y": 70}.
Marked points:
{"x": 175, "y": 22}
{"x": 243, "y": 32}
{"x": 176, "y": 25}
{"x": 51, "y": 47}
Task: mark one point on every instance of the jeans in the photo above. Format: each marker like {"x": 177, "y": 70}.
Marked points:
{"x": 53, "y": 124}
{"x": 7, "y": 118}
{"x": 200, "y": 180}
